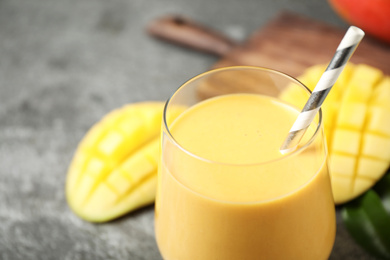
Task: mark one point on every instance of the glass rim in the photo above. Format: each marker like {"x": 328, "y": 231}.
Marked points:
{"x": 276, "y": 72}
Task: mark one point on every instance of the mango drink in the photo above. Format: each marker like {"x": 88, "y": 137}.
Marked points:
{"x": 226, "y": 192}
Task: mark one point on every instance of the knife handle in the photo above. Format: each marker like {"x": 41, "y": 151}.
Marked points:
{"x": 185, "y": 32}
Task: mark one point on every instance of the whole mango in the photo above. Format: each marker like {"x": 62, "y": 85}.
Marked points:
{"x": 370, "y": 15}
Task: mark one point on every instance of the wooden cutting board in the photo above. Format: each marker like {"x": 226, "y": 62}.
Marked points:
{"x": 289, "y": 43}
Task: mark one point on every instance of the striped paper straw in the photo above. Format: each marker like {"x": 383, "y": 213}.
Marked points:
{"x": 343, "y": 53}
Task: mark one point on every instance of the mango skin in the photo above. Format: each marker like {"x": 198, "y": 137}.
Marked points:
{"x": 370, "y": 15}
{"x": 356, "y": 116}
{"x": 114, "y": 169}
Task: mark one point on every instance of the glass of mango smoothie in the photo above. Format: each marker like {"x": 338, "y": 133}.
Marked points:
{"x": 225, "y": 191}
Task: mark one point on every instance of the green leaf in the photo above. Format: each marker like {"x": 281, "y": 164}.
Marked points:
{"x": 369, "y": 223}
{"x": 383, "y": 190}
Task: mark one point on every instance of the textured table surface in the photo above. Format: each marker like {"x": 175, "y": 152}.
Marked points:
{"x": 65, "y": 64}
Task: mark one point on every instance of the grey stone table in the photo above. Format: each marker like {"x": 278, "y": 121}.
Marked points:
{"x": 66, "y": 63}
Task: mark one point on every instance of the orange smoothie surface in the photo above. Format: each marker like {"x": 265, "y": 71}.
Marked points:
{"x": 235, "y": 129}
{"x": 241, "y": 130}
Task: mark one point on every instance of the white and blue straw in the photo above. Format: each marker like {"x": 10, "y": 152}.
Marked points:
{"x": 343, "y": 53}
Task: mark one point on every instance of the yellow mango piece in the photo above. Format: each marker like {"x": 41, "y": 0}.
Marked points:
{"x": 137, "y": 166}
{"x": 365, "y": 76}
{"x": 114, "y": 168}
{"x": 118, "y": 180}
{"x": 361, "y": 185}
{"x": 329, "y": 112}
{"x": 339, "y": 185}
{"x": 352, "y": 115}
{"x": 381, "y": 94}
{"x": 376, "y": 146}
{"x": 371, "y": 168}
{"x": 346, "y": 141}
{"x": 103, "y": 199}
{"x": 356, "y": 93}
{"x": 84, "y": 186}
{"x": 379, "y": 120}
{"x": 343, "y": 165}
{"x": 357, "y": 127}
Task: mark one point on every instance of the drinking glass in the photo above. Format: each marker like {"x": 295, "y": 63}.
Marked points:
{"x": 278, "y": 208}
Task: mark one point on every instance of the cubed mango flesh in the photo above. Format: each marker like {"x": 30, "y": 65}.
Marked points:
{"x": 357, "y": 127}
{"x": 114, "y": 169}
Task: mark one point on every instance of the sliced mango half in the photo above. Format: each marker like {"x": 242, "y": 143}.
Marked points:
{"x": 114, "y": 169}
{"x": 356, "y": 117}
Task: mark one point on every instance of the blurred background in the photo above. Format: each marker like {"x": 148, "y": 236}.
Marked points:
{"x": 64, "y": 64}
